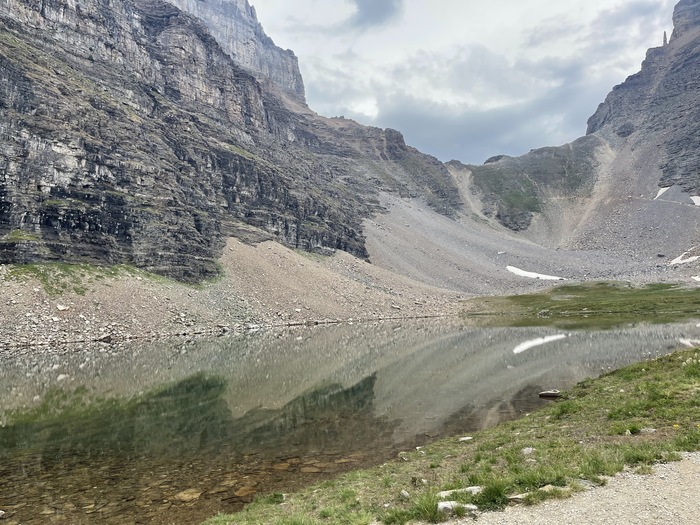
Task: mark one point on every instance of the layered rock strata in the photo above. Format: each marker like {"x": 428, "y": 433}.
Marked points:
{"x": 128, "y": 135}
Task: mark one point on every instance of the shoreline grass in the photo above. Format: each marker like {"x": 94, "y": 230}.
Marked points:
{"x": 594, "y": 305}
{"x": 633, "y": 417}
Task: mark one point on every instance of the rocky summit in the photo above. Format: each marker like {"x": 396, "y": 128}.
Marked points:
{"x": 149, "y": 132}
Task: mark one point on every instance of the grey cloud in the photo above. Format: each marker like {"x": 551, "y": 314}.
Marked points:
{"x": 473, "y": 135}
{"x": 550, "y": 30}
{"x": 368, "y": 14}
{"x": 375, "y": 12}
{"x": 544, "y": 102}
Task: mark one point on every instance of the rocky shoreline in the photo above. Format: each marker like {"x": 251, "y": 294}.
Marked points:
{"x": 260, "y": 290}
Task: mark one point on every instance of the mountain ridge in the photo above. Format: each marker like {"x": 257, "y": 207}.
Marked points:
{"x": 135, "y": 132}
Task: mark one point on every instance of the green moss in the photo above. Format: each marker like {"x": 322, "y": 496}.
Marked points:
{"x": 60, "y": 278}
{"x": 20, "y": 236}
{"x": 519, "y": 201}
{"x": 57, "y": 203}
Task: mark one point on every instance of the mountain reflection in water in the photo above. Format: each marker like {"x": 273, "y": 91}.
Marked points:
{"x": 177, "y": 431}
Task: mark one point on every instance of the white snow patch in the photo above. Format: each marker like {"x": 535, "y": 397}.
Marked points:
{"x": 532, "y": 275}
{"x": 683, "y": 260}
{"x": 661, "y": 192}
{"x": 696, "y": 200}
{"x": 689, "y": 342}
{"x": 696, "y": 278}
{"x": 537, "y": 342}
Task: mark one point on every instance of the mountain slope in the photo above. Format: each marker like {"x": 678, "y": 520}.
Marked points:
{"x": 128, "y": 135}
{"x": 629, "y": 184}
{"x": 136, "y": 132}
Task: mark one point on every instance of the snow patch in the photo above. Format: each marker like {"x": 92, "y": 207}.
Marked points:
{"x": 683, "y": 260}
{"x": 532, "y": 275}
{"x": 689, "y": 342}
{"x": 696, "y": 200}
{"x": 661, "y": 192}
{"x": 696, "y": 278}
{"x": 537, "y": 342}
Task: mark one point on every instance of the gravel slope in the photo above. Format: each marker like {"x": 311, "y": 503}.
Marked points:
{"x": 266, "y": 284}
{"x": 471, "y": 255}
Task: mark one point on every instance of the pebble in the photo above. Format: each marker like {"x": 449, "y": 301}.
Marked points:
{"x": 469, "y": 490}
{"x": 449, "y": 507}
{"x": 188, "y": 495}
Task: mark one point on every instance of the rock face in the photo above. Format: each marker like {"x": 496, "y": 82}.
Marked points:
{"x": 128, "y": 135}
{"x": 603, "y": 190}
{"x": 686, "y": 17}
{"x": 235, "y": 26}
{"x": 662, "y": 99}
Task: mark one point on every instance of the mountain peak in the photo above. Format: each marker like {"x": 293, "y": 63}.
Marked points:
{"x": 235, "y": 26}
{"x": 686, "y": 16}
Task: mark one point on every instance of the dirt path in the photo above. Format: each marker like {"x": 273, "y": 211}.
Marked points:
{"x": 667, "y": 496}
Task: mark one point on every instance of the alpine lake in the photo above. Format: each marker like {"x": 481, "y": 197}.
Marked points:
{"x": 177, "y": 430}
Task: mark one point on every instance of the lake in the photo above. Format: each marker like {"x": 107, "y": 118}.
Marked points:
{"x": 176, "y": 431}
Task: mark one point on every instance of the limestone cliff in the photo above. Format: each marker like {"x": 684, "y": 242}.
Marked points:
{"x": 128, "y": 135}
{"x": 235, "y": 26}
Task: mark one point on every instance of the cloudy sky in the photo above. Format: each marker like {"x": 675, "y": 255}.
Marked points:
{"x": 463, "y": 79}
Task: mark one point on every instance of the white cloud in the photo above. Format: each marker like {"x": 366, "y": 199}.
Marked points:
{"x": 467, "y": 80}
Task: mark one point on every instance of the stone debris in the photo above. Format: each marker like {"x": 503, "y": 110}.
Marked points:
{"x": 188, "y": 495}
{"x": 445, "y": 494}
{"x": 245, "y": 492}
{"x": 449, "y": 507}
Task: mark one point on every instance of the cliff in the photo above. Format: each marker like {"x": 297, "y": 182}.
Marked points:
{"x": 129, "y": 135}
{"x": 662, "y": 99}
{"x": 235, "y": 26}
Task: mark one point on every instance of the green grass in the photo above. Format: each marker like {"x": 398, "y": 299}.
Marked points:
{"x": 592, "y": 305}
{"x": 61, "y": 278}
{"x": 597, "y": 429}
{"x": 19, "y": 236}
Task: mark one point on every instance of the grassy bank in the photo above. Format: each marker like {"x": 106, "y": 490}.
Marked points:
{"x": 633, "y": 417}
{"x": 596, "y": 305}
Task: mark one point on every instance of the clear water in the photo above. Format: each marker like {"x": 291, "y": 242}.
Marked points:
{"x": 176, "y": 431}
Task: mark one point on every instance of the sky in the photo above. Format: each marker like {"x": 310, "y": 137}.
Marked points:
{"x": 463, "y": 79}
